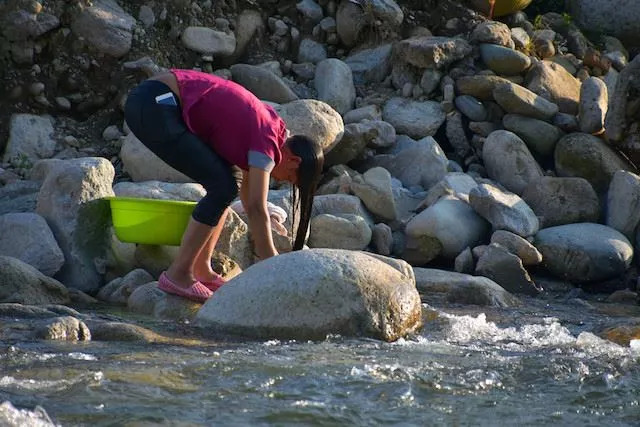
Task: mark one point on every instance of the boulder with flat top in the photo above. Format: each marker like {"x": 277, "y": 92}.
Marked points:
{"x": 312, "y": 293}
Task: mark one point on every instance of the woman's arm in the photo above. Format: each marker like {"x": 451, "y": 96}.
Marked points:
{"x": 253, "y": 194}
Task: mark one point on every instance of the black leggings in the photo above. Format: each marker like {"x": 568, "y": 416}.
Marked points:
{"x": 161, "y": 128}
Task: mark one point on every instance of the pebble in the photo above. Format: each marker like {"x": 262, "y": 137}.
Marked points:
{"x": 544, "y": 48}
{"x": 407, "y": 90}
{"x": 72, "y": 141}
{"x": 63, "y": 103}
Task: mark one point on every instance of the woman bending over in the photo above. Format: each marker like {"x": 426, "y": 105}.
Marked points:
{"x": 203, "y": 125}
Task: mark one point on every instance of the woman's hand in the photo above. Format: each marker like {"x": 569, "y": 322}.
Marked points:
{"x": 253, "y": 193}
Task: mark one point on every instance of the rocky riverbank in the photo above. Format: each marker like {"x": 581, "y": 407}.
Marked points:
{"x": 483, "y": 160}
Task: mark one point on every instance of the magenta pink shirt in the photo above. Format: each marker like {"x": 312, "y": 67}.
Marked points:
{"x": 234, "y": 122}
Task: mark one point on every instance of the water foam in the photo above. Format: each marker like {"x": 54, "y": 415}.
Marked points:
{"x": 10, "y": 416}
{"x": 468, "y": 329}
{"x": 28, "y": 384}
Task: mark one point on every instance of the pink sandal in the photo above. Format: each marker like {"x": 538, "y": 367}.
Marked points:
{"x": 215, "y": 284}
{"x": 196, "y": 292}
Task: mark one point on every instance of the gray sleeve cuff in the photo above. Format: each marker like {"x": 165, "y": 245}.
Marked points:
{"x": 260, "y": 160}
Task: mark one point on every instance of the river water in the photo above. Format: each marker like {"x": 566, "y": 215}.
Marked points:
{"x": 537, "y": 365}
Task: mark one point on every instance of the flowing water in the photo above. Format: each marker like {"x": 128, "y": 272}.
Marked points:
{"x": 538, "y": 365}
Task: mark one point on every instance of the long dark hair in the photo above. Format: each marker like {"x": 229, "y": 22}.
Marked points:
{"x": 309, "y": 172}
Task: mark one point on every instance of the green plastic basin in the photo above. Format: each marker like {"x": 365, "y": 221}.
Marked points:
{"x": 150, "y": 221}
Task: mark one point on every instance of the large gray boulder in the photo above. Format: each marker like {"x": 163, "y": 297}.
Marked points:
{"x": 315, "y": 119}
{"x": 30, "y": 139}
{"x": 453, "y": 223}
{"x": 143, "y": 165}
{"x": 504, "y": 210}
{"x": 558, "y": 201}
{"x": 509, "y": 161}
{"x": 27, "y": 236}
{"x": 587, "y": 156}
{"x": 463, "y": 288}
{"x": 70, "y": 201}
{"x": 104, "y": 25}
{"x": 584, "y": 252}
{"x": 262, "y": 83}
{"x": 22, "y": 283}
{"x": 619, "y": 18}
{"x": 334, "y": 83}
{"x": 623, "y": 203}
{"x": 309, "y": 294}
{"x": 414, "y": 118}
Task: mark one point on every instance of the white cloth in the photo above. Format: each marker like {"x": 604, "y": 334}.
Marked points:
{"x": 277, "y": 215}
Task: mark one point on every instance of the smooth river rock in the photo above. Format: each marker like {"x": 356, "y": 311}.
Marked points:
{"x": 315, "y": 119}
{"x": 509, "y": 161}
{"x": 589, "y": 157}
{"x": 452, "y": 222}
{"x": 554, "y": 83}
{"x": 22, "y": 283}
{"x": 623, "y": 203}
{"x": 539, "y": 135}
{"x": 413, "y": 118}
{"x": 504, "y": 60}
{"x": 262, "y": 83}
{"x": 312, "y": 293}
{"x": 504, "y": 210}
{"x": 463, "y": 288}
{"x": 516, "y": 99}
{"x": 334, "y": 82}
{"x": 594, "y": 100}
{"x": 584, "y": 252}
{"x": 27, "y": 236}
{"x": 558, "y": 201}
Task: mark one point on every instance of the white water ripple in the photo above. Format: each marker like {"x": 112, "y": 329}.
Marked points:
{"x": 27, "y": 384}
